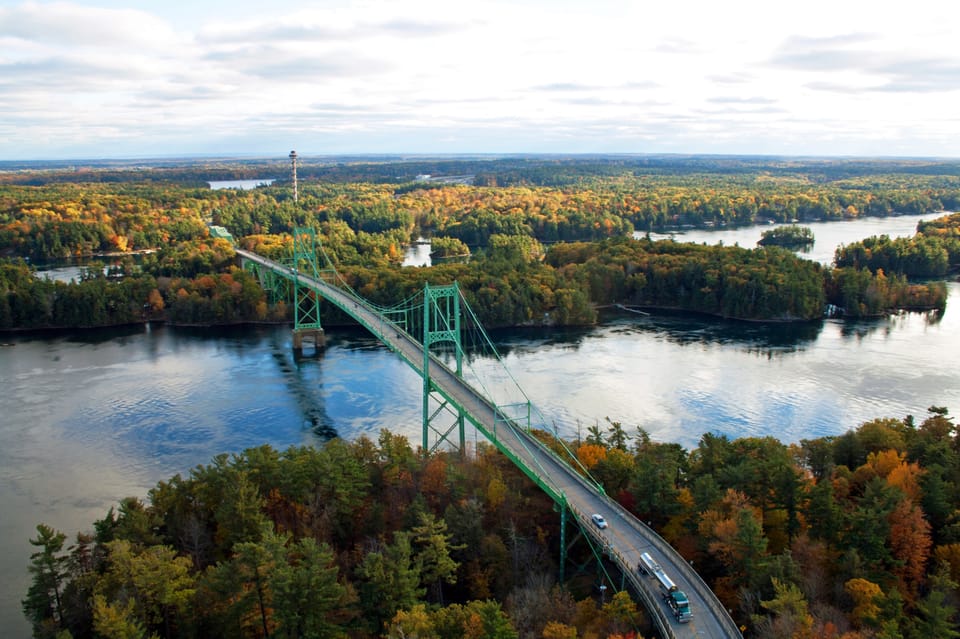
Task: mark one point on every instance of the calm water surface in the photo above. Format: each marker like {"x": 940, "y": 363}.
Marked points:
{"x": 243, "y": 185}
{"x": 90, "y": 419}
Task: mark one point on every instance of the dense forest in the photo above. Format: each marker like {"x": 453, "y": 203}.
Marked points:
{"x": 852, "y": 536}
{"x": 542, "y": 249}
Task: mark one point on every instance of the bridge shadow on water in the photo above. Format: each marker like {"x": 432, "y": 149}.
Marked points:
{"x": 307, "y": 393}
{"x": 299, "y": 372}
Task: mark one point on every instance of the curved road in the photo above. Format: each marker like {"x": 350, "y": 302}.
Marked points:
{"x": 623, "y": 540}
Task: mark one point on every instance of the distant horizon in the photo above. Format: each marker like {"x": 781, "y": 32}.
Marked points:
{"x": 306, "y": 156}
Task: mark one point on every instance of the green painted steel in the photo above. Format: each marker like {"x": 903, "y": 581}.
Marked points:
{"x": 563, "y": 541}
{"x": 306, "y": 306}
{"x": 277, "y": 287}
{"x": 441, "y": 325}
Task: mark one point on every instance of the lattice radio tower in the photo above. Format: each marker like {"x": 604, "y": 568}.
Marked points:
{"x": 293, "y": 161}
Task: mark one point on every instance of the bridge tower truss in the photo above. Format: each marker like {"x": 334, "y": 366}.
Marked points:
{"x": 306, "y": 302}
{"x": 441, "y": 330}
{"x": 275, "y": 286}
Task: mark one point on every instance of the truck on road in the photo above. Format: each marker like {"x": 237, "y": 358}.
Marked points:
{"x": 675, "y": 598}
{"x": 647, "y": 565}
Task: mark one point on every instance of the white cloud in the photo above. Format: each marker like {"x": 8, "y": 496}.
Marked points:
{"x": 94, "y": 77}
{"x": 63, "y": 24}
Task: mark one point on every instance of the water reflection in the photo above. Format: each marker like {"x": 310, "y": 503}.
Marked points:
{"x": 103, "y": 335}
{"x": 684, "y": 329}
{"x": 530, "y": 339}
{"x": 858, "y": 329}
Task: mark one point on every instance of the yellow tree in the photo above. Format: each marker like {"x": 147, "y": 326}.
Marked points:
{"x": 415, "y": 623}
{"x": 867, "y": 597}
{"x": 591, "y": 454}
{"x": 884, "y": 462}
{"x": 678, "y": 528}
{"x": 116, "y": 621}
{"x": 949, "y": 554}
{"x": 155, "y": 300}
{"x": 906, "y": 477}
{"x": 621, "y": 612}
{"x": 557, "y": 630}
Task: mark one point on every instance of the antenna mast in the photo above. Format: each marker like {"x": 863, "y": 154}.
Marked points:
{"x": 293, "y": 160}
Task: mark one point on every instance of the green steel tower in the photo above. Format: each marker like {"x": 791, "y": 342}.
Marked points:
{"x": 306, "y": 303}
{"x": 441, "y": 327}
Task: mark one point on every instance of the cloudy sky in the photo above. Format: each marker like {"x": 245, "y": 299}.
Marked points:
{"x": 105, "y": 79}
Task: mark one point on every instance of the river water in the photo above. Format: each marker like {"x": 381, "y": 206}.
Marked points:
{"x": 827, "y": 235}
{"x": 91, "y": 418}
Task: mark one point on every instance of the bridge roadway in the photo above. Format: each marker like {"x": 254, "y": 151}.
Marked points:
{"x": 624, "y": 538}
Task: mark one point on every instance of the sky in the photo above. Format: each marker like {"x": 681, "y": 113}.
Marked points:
{"x": 158, "y": 78}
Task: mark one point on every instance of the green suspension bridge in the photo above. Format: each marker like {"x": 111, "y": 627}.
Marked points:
{"x": 436, "y": 333}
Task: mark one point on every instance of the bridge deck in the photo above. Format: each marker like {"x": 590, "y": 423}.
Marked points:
{"x": 623, "y": 540}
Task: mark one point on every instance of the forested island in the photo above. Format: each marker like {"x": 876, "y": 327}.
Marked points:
{"x": 852, "y": 536}
{"x": 548, "y": 239}
{"x": 791, "y": 237}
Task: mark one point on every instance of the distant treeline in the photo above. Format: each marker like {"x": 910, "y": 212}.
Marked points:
{"x": 489, "y": 170}
{"x": 601, "y": 198}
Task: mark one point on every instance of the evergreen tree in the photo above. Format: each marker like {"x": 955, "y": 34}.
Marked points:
{"x": 307, "y": 597}
{"x": 618, "y": 437}
{"x": 938, "y": 610}
{"x": 390, "y": 581}
{"x": 43, "y": 605}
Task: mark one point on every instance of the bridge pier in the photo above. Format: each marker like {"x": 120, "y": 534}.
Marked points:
{"x": 316, "y": 336}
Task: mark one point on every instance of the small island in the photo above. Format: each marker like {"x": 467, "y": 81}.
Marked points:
{"x": 448, "y": 247}
{"x": 792, "y": 237}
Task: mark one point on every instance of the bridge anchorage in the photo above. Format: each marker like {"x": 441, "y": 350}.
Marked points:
{"x": 466, "y": 381}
